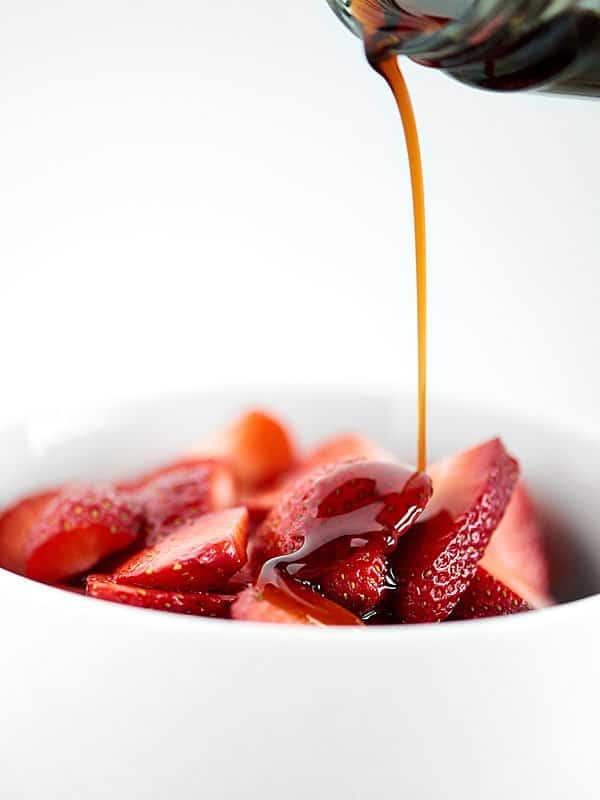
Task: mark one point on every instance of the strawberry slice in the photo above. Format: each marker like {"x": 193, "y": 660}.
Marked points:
{"x": 200, "y": 555}
{"x": 517, "y": 551}
{"x": 358, "y": 583}
{"x": 200, "y": 605}
{"x": 258, "y": 447}
{"x": 435, "y": 563}
{"x": 78, "y": 528}
{"x": 273, "y": 605}
{"x": 346, "y": 447}
{"x": 16, "y": 523}
{"x": 392, "y": 495}
{"x": 183, "y": 492}
{"x": 260, "y": 502}
{"x": 486, "y": 596}
{"x": 221, "y": 488}
{"x": 334, "y": 526}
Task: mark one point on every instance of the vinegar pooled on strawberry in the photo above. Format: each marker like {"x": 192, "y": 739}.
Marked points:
{"x": 334, "y": 531}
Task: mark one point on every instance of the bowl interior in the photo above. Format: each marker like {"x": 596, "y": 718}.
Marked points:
{"x": 560, "y": 466}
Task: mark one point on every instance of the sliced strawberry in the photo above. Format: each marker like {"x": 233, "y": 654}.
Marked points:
{"x": 260, "y": 502}
{"x": 358, "y": 583}
{"x": 328, "y": 519}
{"x": 240, "y": 580}
{"x": 393, "y": 496}
{"x": 346, "y": 447}
{"x": 200, "y": 605}
{"x": 435, "y": 563}
{"x": 176, "y": 495}
{"x": 200, "y": 555}
{"x": 273, "y": 605}
{"x": 349, "y": 447}
{"x": 488, "y": 597}
{"x": 15, "y": 525}
{"x": 517, "y": 551}
{"x": 78, "y": 528}
{"x": 258, "y": 447}
{"x": 252, "y": 606}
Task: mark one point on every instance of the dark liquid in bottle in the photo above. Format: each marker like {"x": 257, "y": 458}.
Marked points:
{"x": 562, "y": 54}
{"x": 544, "y": 48}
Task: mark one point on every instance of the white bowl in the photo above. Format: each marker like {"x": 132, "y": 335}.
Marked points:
{"x": 99, "y": 700}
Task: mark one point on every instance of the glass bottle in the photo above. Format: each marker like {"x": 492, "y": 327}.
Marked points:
{"x": 503, "y": 45}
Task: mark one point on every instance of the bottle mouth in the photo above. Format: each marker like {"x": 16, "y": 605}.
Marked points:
{"x": 427, "y": 30}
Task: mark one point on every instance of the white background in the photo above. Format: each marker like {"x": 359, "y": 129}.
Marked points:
{"x": 216, "y": 193}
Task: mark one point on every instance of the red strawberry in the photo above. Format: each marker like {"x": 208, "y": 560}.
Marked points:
{"x": 359, "y": 582}
{"x": 517, "y": 551}
{"x": 200, "y": 555}
{"x": 392, "y": 496}
{"x": 346, "y": 447}
{"x": 435, "y": 563}
{"x": 349, "y": 447}
{"x": 239, "y": 580}
{"x": 332, "y": 516}
{"x": 258, "y": 447}
{"x": 201, "y": 605}
{"x": 488, "y": 597}
{"x": 78, "y": 528}
{"x": 221, "y": 489}
{"x": 15, "y": 525}
{"x": 260, "y": 502}
{"x": 184, "y": 492}
{"x": 273, "y": 605}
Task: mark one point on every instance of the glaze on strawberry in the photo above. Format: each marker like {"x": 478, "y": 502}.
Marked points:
{"x": 333, "y": 516}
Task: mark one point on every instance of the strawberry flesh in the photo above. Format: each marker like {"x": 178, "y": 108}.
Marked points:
{"x": 303, "y": 606}
{"x": 435, "y": 563}
{"x": 179, "y": 494}
{"x": 348, "y": 447}
{"x": 200, "y": 555}
{"x": 258, "y": 447}
{"x": 334, "y": 527}
{"x": 260, "y": 502}
{"x": 16, "y": 523}
{"x": 487, "y": 596}
{"x": 517, "y": 552}
{"x": 359, "y": 582}
{"x": 78, "y": 528}
{"x": 198, "y": 604}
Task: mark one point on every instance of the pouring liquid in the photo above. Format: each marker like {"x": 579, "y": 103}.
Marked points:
{"x": 382, "y": 20}
{"x": 390, "y": 70}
